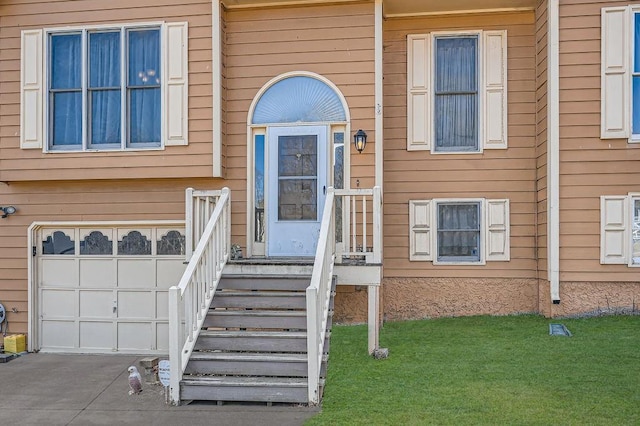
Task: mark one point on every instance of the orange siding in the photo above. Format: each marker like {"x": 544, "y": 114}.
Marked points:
{"x": 589, "y": 167}
{"x": 510, "y": 173}
{"x": 541, "y": 135}
{"x": 19, "y": 165}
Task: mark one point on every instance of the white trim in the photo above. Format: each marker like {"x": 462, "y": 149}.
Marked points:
{"x": 379, "y": 108}
{"x": 633, "y": 196}
{"x": 553, "y": 148}
{"x": 216, "y": 72}
{"x": 460, "y": 12}
{"x": 234, "y": 4}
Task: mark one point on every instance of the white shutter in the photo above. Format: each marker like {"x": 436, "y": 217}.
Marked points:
{"x": 176, "y": 84}
{"x": 613, "y": 229}
{"x": 495, "y": 90}
{"x": 418, "y": 92}
{"x": 497, "y": 226}
{"x": 31, "y": 90}
{"x": 420, "y": 225}
{"x": 614, "y": 101}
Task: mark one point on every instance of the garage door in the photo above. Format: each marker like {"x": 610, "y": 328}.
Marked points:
{"x": 105, "y": 289}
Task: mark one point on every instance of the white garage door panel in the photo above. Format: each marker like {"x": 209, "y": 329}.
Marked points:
{"x": 59, "y": 303}
{"x": 135, "y": 336}
{"x": 96, "y": 304}
{"x": 96, "y": 335}
{"x": 59, "y": 334}
{"x": 98, "y": 273}
{"x": 59, "y": 272}
{"x": 137, "y": 273}
{"x": 98, "y": 294}
{"x": 136, "y": 304}
{"x": 169, "y": 272}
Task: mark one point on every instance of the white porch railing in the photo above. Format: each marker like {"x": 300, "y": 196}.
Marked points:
{"x": 361, "y": 224}
{"x": 189, "y": 301}
{"x": 199, "y": 206}
{"x": 319, "y": 296}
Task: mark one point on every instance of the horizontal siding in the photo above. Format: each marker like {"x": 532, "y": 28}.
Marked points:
{"x": 589, "y": 167}
{"x": 20, "y": 165}
{"x": 510, "y": 173}
{"x": 335, "y": 41}
{"x": 541, "y": 133}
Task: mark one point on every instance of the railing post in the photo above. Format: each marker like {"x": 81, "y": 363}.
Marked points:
{"x": 188, "y": 223}
{"x": 175, "y": 348}
{"x": 312, "y": 345}
{"x": 377, "y": 225}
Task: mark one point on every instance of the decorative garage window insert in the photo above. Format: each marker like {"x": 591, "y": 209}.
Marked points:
{"x": 100, "y": 242}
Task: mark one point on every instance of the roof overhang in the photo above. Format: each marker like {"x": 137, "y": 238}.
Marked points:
{"x": 404, "y": 8}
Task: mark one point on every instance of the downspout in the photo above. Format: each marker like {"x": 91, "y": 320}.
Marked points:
{"x": 553, "y": 149}
{"x": 216, "y": 72}
{"x": 374, "y": 290}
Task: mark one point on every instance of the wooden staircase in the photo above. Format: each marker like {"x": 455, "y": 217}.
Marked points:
{"x": 253, "y": 344}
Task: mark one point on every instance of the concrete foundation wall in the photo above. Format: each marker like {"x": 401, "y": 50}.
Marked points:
{"x": 597, "y": 298}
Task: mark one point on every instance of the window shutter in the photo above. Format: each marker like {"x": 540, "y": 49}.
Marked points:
{"x": 613, "y": 229}
{"x": 497, "y": 226}
{"x": 614, "y": 101}
{"x": 495, "y": 89}
{"x": 418, "y": 87}
{"x": 420, "y": 235}
{"x": 176, "y": 84}
{"x": 31, "y": 90}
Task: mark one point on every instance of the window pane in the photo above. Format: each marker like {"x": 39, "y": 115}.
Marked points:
{"x": 259, "y": 185}
{"x": 636, "y": 44}
{"x": 144, "y": 57}
{"x": 104, "y": 59}
{"x": 298, "y": 199}
{"x": 338, "y": 179}
{"x": 105, "y": 117}
{"x": 67, "y": 118}
{"x": 144, "y": 116}
{"x": 66, "y": 61}
{"x": 456, "y": 94}
{"x": 459, "y": 232}
{"x": 297, "y": 155}
{"x": 636, "y": 105}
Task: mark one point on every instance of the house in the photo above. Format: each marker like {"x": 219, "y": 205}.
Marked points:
{"x": 499, "y": 176}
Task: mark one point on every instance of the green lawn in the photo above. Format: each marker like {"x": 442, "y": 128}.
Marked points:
{"x": 486, "y": 370}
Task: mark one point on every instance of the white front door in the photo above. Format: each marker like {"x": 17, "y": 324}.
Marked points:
{"x": 297, "y": 184}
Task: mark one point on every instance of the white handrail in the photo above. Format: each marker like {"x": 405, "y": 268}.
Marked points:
{"x": 199, "y": 206}
{"x": 189, "y": 301}
{"x": 357, "y": 205}
{"x": 319, "y": 296}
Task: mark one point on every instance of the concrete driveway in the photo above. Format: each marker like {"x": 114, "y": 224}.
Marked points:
{"x": 48, "y": 389}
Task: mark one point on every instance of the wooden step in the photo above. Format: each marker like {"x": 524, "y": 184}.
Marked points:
{"x": 265, "y": 282}
{"x": 252, "y": 341}
{"x": 248, "y": 364}
{"x": 260, "y": 299}
{"x": 278, "y": 320}
{"x": 246, "y": 389}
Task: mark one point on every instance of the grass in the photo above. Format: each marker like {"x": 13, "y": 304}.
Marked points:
{"x": 486, "y": 370}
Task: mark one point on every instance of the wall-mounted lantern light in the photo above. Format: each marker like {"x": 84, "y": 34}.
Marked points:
{"x": 360, "y": 140}
{"x": 6, "y": 211}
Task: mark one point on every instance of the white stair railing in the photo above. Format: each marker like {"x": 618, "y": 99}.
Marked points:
{"x": 199, "y": 205}
{"x": 189, "y": 301}
{"x": 362, "y": 209}
{"x": 319, "y": 296}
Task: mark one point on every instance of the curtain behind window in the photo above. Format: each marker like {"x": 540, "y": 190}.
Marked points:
{"x": 144, "y": 86}
{"x": 456, "y": 94}
{"x": 636, "y": 76}
{"x": 104, "y": 87}
{"x": 66, "y": 89}
{"x": 459, "y": 231}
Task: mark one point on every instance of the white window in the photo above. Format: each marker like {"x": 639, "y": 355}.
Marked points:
{"x": 457, "y": 91}
{"x": 620, "y": 229}
{"x": 620, "y": 86}
{"x": 459, "y": 231}
{"x": 104, "y": 87}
